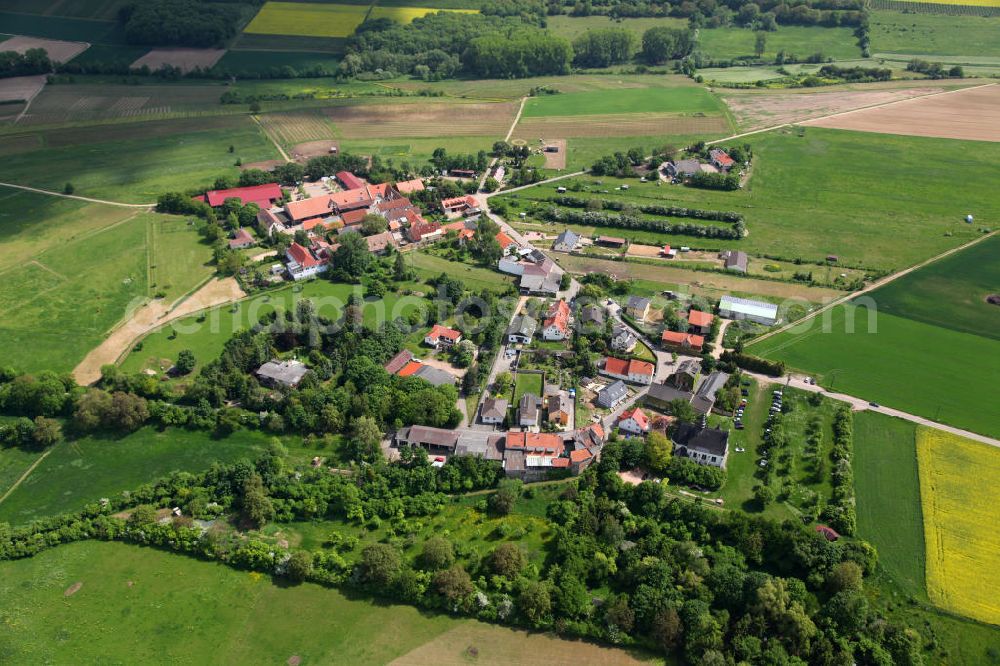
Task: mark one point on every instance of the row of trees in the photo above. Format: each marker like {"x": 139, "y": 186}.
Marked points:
{"x": 32, "y": 61}
{"x": 626, "y": 221}
{"x": 180, "y": 22}
{"x": 650, "y": 209}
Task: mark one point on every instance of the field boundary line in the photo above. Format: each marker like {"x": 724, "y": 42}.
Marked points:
{"x": 873, "y": 286}
{"x": 840, "y": 113}
{"x": 27, "y": 472}
{"x": 272, "y": 139}
{"x": 38, "y": 190}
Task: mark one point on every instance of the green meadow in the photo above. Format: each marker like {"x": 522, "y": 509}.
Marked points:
{"x": 934, "y": 34}
{"x": 572, "y": 27}
{"x": 75, "y": 269}
{"x": 681, "y": 99}
{"x": 802, "y": 41}
{"x": 888, "y": 496}
{"x": 81, "y": 471}
{"x": 952, "y": 292}
{"x": 930, "y": 371}
{"x": 135, "y": 162}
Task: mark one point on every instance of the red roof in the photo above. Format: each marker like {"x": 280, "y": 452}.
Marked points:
{"x": 439, "y": 331}
{"x": 546, "y": 443}
{"x": 504, "y": 240}
{"x": 828, "y": 533}
{"x": 560, "y": 462}
{"x": 722, "y": 158}
{"x": 407, "y": 186}
{"x": 454, "y": 226}
{"x": 636, "y": 415}
{"x": 617, "y": 366}
{"x": 417, "y": 231}
{"x": 349, "y": 180}
{"x": 302, "y": 256}
{"x": 262, "y": 195}
{"x": 459, "y": 203}
{"x": 580, "y": 455}
{"x": 393, "y": 204}
{"x": 398, "y": 362}
{"x": 558, "y": 316}
{"x": 683, "y": 339}
{"x": 410, "y": 368}
{"x": 241, "y": 238}
{"x": 353, "y": 216}
{"x": 699, "y": 318}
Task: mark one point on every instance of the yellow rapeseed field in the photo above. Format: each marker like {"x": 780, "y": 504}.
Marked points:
{"x": 967, "y": 3}
{"x": 407, "y": 14}
{"x": 307, "y": 19}
{"x": 960, "y": 495}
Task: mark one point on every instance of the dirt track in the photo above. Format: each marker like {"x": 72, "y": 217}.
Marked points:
{"x": 972, "y": 114}
{"x": 147, "y": 318}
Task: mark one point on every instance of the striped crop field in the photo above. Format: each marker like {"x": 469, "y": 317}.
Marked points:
{"x": 307, "y": 19}
{"x": 985, "y": 8}
{"x": 961, "y": 508}
{"x": 296, "y": 127}
{"x": 422, "y": 120}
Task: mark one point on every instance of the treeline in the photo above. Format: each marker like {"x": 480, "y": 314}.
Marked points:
{"x": 32, "y": 61}
{"x": 760, "y": 15}
{"x": 935, "y": 70}
{"x": 754, "y": 363}
{"x": 855, "y": 74}
{"x": 715, "y": 181}
{"x": 651, "y": 209}
{"x": 196, "y": 23}
{"x": 841, "y": 512}
{"x": 623, "y": 221}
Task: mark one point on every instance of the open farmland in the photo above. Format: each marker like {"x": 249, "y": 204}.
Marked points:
{"x": 927, "y": 35}
{"x": 888, "y": 497}
{"x": 678, "y": 99}
{"x": 951, "y": 293}
{"x": 733, "y": 42}
{"x": 961, "y": 507}
{"x": 136, "y": 162}
{"x": 295, "y": 127}
{"x": 755, "y": 109}
{"x": 619, "y": 125}
{"x": 898, "y": 362}
{"x": 60, "y": 27}
{"x": 183, "y": 59}
{"x": 378, "y": 120}
{"x": 84, "y": 102}
{"x": 307, "y": 19}
{"x": 19, "y": 89}
{"x": 90, "y": 9}
{"x": 972, "y": 114}
{"x": 59, "y": 51}
{"x": 572, "y": 27}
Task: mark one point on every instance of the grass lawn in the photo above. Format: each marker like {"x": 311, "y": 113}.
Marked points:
{"x": 901, "y": 363}
{"x": 950, "y": 293}
{"x": 961, "y": 508}
{"x": 137, "y": 161}
{"x": 13, "y": 463}
{"x": 60, "y": 303}
{"x": 691, "y": 99}
{"x": 85, "y": 470}
{"x": 876, "y": 201}
{"x": 887, "y": 489}
{"x": 527, "y": 383}
{"x": 802, "y": 41}
{"x": 474, "y": 278}
{"x": 934, "y": 34}
{"x": 206, "y": 334}
{"x": 178, "y": 258}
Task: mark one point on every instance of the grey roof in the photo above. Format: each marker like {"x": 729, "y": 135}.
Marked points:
{"x": 435, "y": 376}
{"x": 704, "y": 398}
{"x": 527, "y": 406}
{"x": 287, "y": 373}
{"x": 523, "y": 325}
{"x": 664, "y": 393}
{"x": 638, "y": 303}
{"x": 691, "y": 366}
{"x": 547, "y": 284}
{"x": 686, "y": 167}
{"x": 692, "y": 437}
{"x": 612, "y": 394}
{"x": 735, "y": 260}
{"x": 559, "y": 403}
{"x": 494, "y": 408}
{"x": 568, "y": 239}
{"x": 592, "y": 314}
{"x": 748, "y": 306}
{"x": 478, "y": 443}
{"x": 426, "y": 435}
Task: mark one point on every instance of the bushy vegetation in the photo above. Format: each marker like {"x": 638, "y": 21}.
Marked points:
{"x": 179, "y": 22}
{"x": 32, "y": 61}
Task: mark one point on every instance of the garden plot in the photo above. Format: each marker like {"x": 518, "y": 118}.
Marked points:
{"x": 186, "y": 60}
